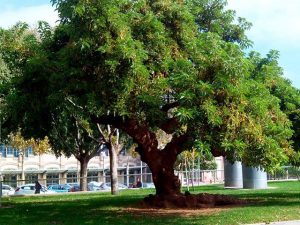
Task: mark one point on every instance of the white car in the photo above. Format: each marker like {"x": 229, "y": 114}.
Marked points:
{"x": 107, "y": 186}
{"x": 7, "y": 190}
{"x": 28, "y": 189}
{"x": 94, "y": 186}
{"x": 148, "y": 185}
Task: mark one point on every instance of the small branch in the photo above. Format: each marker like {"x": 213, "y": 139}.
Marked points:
{"x": 74, "y": 104}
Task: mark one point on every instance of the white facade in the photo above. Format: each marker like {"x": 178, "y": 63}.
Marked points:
{"x": 47, "y": 168}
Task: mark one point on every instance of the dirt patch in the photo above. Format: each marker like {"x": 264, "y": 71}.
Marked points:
{"x": 155, "y": 212}
{"x": 184, "y": 205}
{"x": 189, "y": 201}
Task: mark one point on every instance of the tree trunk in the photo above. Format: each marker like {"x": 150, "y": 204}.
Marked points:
{"x": 22, "y": 168}
{"x": 113, "y": 168}
{"x": 83, "y": 174}
{"x": 165, "y": 181}
{"x": 160, "y": 161}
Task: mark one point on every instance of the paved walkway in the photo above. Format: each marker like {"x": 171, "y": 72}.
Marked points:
{"x": 293, "y": 222}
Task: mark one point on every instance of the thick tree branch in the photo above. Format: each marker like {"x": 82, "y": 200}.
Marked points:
{"x": 169, "y": 106}
{"x": 101, "y": 132}
{"x": 141, "y": 134}
{"x": 178, "y": 144}
{"x": 170, "y": 125}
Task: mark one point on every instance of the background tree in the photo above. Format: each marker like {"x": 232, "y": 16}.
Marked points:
{"x": 266, "y": 70}
{"x": 112, "y": 140}
{"x": 17, "y": 141}
{"x": 30, "y": 99}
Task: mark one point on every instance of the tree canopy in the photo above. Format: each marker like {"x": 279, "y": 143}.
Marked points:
{"x": 143, "y": 66}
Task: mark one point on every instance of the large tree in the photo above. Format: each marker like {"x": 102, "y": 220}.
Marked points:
{"x": 153, "y": 68}
{"x": 150, "y": 64}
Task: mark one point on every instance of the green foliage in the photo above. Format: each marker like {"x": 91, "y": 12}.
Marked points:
{"x": 211, "y": 16}
{"x": 4, "y": 72}
{"x": 268, "y": 72}
{"x": 135, "y": 58}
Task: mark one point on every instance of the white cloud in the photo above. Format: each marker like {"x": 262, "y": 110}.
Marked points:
{"x": 29, "y": 14}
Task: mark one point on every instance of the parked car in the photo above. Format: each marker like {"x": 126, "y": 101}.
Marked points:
{"x": 7, "y": 190}
{"x": 74, "y": 187}
{"x": 30, "y": 189}
{"x": 107, "y": 186}
{"x": 148, "y": 185}
{"x": 94, "y": 186}
{"x": 143, "y": 185}
{"x": 60, "y": 188}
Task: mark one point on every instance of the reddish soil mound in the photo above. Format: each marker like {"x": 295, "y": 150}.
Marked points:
{"x": 190, "y": 201}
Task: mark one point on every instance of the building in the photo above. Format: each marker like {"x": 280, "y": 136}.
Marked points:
{"x": 48, "y": 169}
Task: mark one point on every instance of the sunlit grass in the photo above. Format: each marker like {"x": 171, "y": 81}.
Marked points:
{"x": 280, "y": 202}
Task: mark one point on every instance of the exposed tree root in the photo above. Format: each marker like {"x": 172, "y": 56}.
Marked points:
{"x": 188, "y": 200}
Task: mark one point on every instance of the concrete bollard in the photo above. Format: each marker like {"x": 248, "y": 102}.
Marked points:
{"x": 254, "y": 178}
{"x": 233, "y": 175}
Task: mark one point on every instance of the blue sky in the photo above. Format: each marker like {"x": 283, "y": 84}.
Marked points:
{"x": 30, "y": 11}
{"x": 276, "y": 25}
{"x": 18, "y": 4}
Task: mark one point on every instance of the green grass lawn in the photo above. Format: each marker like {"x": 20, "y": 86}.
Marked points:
{"x": 280, "y": 202}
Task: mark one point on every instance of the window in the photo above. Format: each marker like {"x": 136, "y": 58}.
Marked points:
{"x": 9, "y": 151}
{"x": 5, "y": 187}
{"x": 92, "y": 176}
{"x": 16, "y": 152}
{"x": 3, "y": 150}
{"x": 27, "y": 188}
{"x": 31, "y": 178}
{"x": 29, "y": 151}
{"x": 10, "y": 179}
{"x": 52, "y": 178}
{"x": 72, "y": 178}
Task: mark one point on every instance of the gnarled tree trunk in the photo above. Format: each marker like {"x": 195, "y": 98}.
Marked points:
{"x": 165, "y": 181}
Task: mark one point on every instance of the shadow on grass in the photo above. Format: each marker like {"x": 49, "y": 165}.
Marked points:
{"x": 106, "y": 209}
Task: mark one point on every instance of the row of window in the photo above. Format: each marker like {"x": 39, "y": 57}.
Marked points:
{"x": 51, "y": 178}
{"x": 14, "y": 152}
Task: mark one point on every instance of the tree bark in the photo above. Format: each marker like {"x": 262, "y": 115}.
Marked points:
{"x": 164, "y": 179}
{"x": 113, "y": 168}
{"x": 83, "y": 174}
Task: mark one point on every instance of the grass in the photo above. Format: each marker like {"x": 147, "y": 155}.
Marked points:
{"x": 280, "y": 202}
